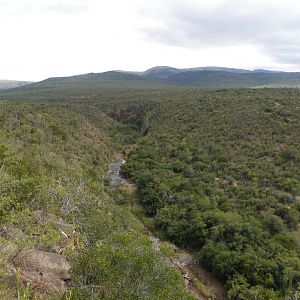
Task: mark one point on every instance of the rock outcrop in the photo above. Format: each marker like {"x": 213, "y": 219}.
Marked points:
{"x": 43, "y": 270}
{"x": 42, "y": 266}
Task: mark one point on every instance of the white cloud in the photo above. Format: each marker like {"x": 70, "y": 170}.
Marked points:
{"x": 45, "y": 38}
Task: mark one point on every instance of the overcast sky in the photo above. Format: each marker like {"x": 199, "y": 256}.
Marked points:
{"x": 46, "y": 38}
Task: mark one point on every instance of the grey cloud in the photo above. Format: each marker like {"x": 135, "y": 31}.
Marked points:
{"x": 274, "y": 30}
{"x": 289, "y": 54}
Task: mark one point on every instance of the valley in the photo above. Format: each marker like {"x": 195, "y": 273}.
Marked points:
{"x": 203, "y": 284}
{"x": 150, "y": 150}
{"x": 211, "y": 178}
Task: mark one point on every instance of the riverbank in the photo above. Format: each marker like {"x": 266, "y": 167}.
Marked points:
{"x": 199, "y": 281}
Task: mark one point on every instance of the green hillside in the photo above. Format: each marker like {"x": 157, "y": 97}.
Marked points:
{"x": 217, "y": 79}
{"x": 95, "y": 84}
{"x": 62, "y": 234}
{"x": 88, "y": 85}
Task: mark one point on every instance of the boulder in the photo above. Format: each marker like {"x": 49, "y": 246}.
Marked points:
{"x": 43, "y": 270}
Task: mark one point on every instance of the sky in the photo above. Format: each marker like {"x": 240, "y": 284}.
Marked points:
{"x": 48, "y": 38}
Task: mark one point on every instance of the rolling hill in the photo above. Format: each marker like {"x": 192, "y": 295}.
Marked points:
{"x": 218, "y": 77}
{"x": 92, "y": 84}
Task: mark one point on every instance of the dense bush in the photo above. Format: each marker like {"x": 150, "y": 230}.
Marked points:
{"x": 53, "y": 160}
{"x": 219, "y": 171}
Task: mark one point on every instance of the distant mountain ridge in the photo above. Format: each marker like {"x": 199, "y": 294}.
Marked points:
{"x": 9, "y": 84}
{"x": 220, "y": 77}
{"x": 156, "y": 77}
{"x": 164, "y": 72}
{"x": 236, "y": 79}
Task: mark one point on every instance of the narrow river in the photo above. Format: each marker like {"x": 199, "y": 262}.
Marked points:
{"x": 191, "y": 271}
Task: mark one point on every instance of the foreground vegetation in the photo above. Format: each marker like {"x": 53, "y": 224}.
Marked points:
{"x": 216, "y": 171}
{"x": 53, "y": 164}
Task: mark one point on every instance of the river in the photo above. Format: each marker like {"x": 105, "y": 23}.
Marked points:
{"x": 191, "y": 271}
